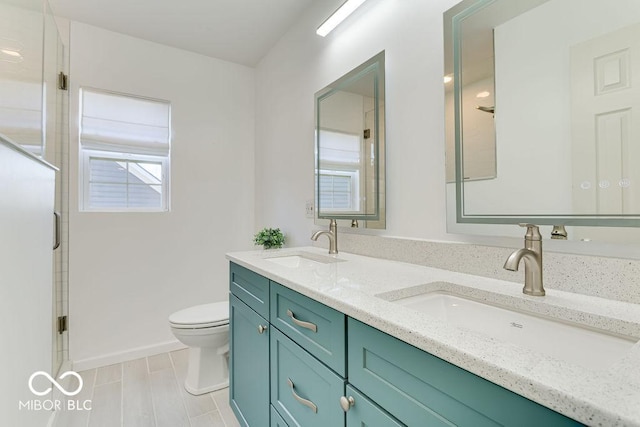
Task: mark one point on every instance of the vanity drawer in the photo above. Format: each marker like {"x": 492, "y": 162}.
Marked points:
{"x": 317, "y": 328}
{"x": 276, "y": 419}
{"x": 303, "y": 390}
{"x": 420, "y": 389}
{"x": 251, "y": 288}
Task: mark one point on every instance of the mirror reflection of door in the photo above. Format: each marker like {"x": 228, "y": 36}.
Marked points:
{"x": 605, "y": 97}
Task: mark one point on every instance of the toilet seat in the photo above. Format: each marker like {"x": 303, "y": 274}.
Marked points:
{"x": 201, "y": 316}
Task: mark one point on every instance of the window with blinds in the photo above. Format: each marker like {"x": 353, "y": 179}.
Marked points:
{"x": 125, "y": 143}
{"x": 337, "y": 190}
{"x": 340, "y": 162}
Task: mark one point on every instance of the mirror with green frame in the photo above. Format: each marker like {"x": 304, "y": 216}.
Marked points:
{"x": 350, "y": 147}
{"x": 542, "y": 105}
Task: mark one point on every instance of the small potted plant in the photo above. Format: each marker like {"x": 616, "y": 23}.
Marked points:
{"x": 269, "y": 238}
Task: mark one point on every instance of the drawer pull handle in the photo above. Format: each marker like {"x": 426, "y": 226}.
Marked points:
{"x": 302, "y": 324}
{"x": 305, "y": 402}
{"x": 347, "y": 402}
{"x": 261, "y": 329}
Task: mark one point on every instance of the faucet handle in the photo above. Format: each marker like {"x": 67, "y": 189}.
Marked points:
{"x": 533, "y": 232}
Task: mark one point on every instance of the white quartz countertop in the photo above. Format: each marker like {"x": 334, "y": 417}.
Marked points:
{"x": 363, "y": 287}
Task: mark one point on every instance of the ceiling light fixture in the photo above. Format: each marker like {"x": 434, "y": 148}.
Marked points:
{"x": 10, "y": 52}
{"x": 10, "y": 55}
{"x": 338, "y": 16}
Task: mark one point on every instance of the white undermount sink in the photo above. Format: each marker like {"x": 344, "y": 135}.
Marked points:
{"x": 569, "y": 342}
{"x": 302, "y": 260}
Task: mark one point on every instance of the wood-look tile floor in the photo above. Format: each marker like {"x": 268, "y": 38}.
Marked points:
{"x": 147, "y": 392}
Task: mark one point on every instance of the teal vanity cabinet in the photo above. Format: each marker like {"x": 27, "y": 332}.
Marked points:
{"x": 365, "y": 412}
{"x": 304, "y": 391}
{"x": 309, "y": 366}
{"x": 288, "y": 355}
{"x": 308, "y": 359}
{"x": 298, "y": 363}
{"x": 251, "y": 288}
{"x": 420, "y": 389}
{"x": 319, "y": 329}
{"x": 249, "y": 347}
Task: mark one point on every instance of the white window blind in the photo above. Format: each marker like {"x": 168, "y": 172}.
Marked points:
{"x": 338, "y": 191}
{"x": 339, "y": 148}
{"x": 125, "y": 143}
{"x": 339, "y": 179}
{"x": 113, "y": 122}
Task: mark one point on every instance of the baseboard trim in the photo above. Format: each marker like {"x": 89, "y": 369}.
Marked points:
{"x": 124, "y": 356}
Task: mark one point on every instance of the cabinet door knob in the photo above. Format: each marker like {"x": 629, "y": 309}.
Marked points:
{"x": 347, "y": 402}
{"x": 261, "y": 329}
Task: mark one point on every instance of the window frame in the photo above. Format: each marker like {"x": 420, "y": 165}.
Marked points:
{"x": 88, "y": 153}
{"x": 354, "y": 175}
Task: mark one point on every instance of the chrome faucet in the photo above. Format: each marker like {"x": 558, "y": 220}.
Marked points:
{"x": 332, "y": 234}
{"x": 532, "y": 254}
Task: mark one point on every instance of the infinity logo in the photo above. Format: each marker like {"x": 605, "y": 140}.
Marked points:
{"x": 55, "y": 383}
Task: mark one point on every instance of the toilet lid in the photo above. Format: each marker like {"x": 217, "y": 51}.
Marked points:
{"x": 201, "y": 316}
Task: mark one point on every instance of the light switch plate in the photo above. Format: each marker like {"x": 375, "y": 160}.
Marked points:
{"x": 309, "y": 209}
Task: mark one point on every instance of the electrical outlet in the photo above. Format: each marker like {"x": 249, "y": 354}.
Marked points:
{"x": 309, "y": 208}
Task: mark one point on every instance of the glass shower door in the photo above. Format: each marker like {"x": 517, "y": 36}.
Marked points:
{"x": 55, "y": 117}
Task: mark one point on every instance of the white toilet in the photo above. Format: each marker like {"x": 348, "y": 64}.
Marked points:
{"x": 205, "y": 329}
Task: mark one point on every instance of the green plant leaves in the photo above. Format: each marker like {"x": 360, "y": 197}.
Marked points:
{"x": 269, "y": 238}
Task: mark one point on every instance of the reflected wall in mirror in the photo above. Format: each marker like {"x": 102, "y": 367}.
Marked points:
{"x": 562, "y": 111}
{"x": 350, "y": 147}
{"x": 21, "y": 65}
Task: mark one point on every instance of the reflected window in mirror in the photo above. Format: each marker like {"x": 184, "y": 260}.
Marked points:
{"x": 339, "y": 177}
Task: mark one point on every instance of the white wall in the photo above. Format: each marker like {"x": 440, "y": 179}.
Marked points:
{"x": 410, "y": 31}
{"x": 130, "y": 271}
{"x": 478, "y": 130}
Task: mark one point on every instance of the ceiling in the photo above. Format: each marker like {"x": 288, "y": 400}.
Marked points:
{"x": 240, "y": 31}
